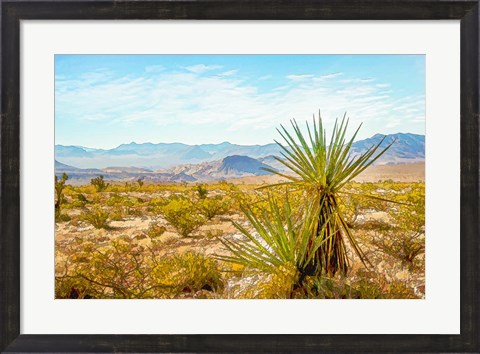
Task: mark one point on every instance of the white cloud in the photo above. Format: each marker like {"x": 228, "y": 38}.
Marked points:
{"x": 228, "y": 73}
{"x": 188, "y": 100}
{"x": 200, "y": 68}
{"x": 328, "y": 76}
{"x": 299, "y": 77}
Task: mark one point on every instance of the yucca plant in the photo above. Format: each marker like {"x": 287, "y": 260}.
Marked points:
{"x": 321, "y": 169}
{"x": 282, "y": 241}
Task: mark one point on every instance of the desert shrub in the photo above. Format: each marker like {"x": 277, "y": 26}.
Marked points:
{"x": 140, "y": 182}
{"x": 236, "y": 197}
{"x": 59, "y": 197}
{"x": 114, "y": 188}
{"x": 368, "y": 286}
{"x": 97, "y": 217}
{"x": 133, "y": 206}
{"x": 62, "y": 217}
{"x": 120, "y": 270}
{"x": 376, "y": 286}
{"x": 351, "y": 208}
{"x": 213, "y": 233}
{"x": 67, "y": 287}
{"x": 99, "y": 183}
{"x": 125, "y": 269}
{"x": 80, "y": 201}
{"x": 201, "y": 190}
{"x": 117, "y": 214}
{"x": 155, "y": 230}
{"x": 182, "y": 214}
{"x": 406, "y": 239}
{"x": 116, "y": 199}
{"x": 155, "y": 205}
{"x": 210, "y": 207}
{"x": 399, "y": 290}
{"x": 187, "y": 273}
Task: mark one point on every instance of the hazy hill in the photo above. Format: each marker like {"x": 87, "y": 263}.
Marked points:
{"x": 233, "y": 165}
{"x": 230, "y": 167}
{"x": 407, "y": 148}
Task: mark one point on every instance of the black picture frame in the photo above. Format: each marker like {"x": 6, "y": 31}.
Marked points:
{"x": 13, "y": 11}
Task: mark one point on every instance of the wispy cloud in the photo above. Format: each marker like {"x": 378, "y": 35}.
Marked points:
{"x": 200, "y": 68}
{"x": 328, "y": 76}
{"x": 299, "y": 77}
{"x": 195, "y": 97}
{"x": 229, "y": 73}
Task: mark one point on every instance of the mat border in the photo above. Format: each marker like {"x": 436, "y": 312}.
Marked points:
{"x": 12, "y": 12}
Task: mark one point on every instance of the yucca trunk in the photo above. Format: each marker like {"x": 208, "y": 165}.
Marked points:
{"x": 331, "y": 256}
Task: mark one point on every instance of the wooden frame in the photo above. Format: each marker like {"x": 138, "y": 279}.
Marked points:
{"x": 12, "y": 12}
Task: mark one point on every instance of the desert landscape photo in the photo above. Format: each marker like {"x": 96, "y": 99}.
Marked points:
{"x": 239, "y": 177}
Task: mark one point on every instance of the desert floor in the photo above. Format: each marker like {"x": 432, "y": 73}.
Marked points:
{"x": 138, "y": 247}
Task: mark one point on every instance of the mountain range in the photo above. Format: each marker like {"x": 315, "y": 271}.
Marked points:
{"x": 187, "y": 163}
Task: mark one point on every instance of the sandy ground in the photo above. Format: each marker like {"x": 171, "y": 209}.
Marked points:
{"x": 414, "y": 172}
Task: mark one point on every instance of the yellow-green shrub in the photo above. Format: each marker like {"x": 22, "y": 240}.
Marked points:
{"x": 155, "y": 230}
{"x": 188, "y": 272}
{"x": 97, "y": 217}
{"x": 182, "y": 214}
{"x": 211, "y": 207}
{"x": 99, "y": 183}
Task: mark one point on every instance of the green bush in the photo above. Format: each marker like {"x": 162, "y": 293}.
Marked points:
{"x": 62, "y": 218}
{"x": 201, "y": 190}
{"x": 124, "y": 270}
{"x": 406, "y": 240}
{"x": 210, "y": 207}
{"x": 116, "y": 199}
{"x": 155, "y": 230}
{"x": 97, "y": 217}
{"x": 188, "y": 272}
{"x": 80, "y": 201}
{"x": 59, "y": 197}
{"x": 117, "y": 214}
{"x": 99, "y": 183}
{"x": 182, "y": 214}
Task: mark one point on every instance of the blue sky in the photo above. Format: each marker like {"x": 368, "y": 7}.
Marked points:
{"x": 102, "y": 101}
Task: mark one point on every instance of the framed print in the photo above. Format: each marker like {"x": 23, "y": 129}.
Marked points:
{"x": 199, "y": 183}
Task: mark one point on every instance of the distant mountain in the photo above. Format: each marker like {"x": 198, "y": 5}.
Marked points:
{"x": 196, "y": 153}
{"x": 70, "y": 151}
{"x": 230, "y": 167}
{"x": 234, "y": 165}
{"x": 271, "y": 161}
{"x": 125, "y": 170}
{"x": 406, "y": 149}
{"x": 155, "y": 156}
{"x": 182, "y": 177}
{"x": 61, "y": 167}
